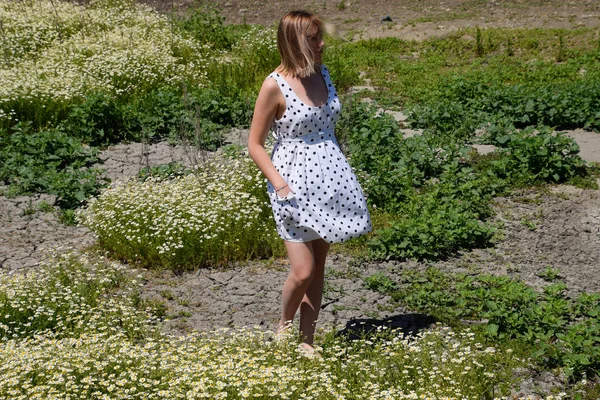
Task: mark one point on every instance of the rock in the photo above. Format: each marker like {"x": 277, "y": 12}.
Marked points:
{"x": 406, "y": 133}
{"x": 484, "y": 149}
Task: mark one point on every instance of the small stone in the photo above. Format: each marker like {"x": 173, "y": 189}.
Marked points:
{"x": 484, "y": 149}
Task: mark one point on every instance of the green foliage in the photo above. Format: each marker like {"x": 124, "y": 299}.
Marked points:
{"x": 67, "y": 217}
{"x": 206, "y": 25}
{"x": 163, "y": 171}
{"x": 433, "y": 228}
{"x": 479, "y": 43}
{"x": 44, "y": 206}
{"x": 563, "y": 331}
{"x": 49, "y": 161}
{"x": 241, "y": 72}
{"x": 370, "y": 139}
{"x": 438, "y": 188}
{"x": 162, "y": 113}
{"x": 465, "y": 103}
{"x": 344, "y": 74}
{"x": 101, "y": 119}
{"x": 380, "y": 282}
{"x": 220, "y": 108}
{"x": 536, "y": 155}
{"x": 549, "y": 274}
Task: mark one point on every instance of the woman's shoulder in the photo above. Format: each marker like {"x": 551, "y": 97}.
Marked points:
{"x": 273, "y": 78}
{"x": 270, "y": 85}
{"x": 270, "y": 88}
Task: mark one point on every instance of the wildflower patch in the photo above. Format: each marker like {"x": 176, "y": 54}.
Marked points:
{"x": 70, "y": 295}
{"x": 246, "y": 363}
{"x": 219, "y": 213}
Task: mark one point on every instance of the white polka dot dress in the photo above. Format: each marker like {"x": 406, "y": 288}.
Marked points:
{"x": 328, "y": 201}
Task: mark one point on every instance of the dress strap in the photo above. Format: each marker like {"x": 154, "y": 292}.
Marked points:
{"x": 327, "y": 78}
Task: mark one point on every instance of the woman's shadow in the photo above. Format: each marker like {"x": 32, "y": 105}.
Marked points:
{"x": 410, "y": 324}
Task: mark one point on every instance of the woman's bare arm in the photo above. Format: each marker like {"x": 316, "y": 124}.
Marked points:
{"x": 269, "y": 102}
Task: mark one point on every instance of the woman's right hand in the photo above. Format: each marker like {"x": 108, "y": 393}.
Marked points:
{"x": 284, "y": 192}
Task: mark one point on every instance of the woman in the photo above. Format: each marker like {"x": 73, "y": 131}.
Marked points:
{"x": 314, "y": 194}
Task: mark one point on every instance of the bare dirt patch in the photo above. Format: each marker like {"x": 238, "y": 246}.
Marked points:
{"x": 412, "y": 19}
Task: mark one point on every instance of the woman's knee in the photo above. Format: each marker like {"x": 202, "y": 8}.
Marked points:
{"x": 302, "y": 276}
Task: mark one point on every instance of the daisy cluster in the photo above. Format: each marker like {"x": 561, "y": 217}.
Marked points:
{"x": 216, "y": 214}
{"x": 256, "y": 40}
{"x": 68, "y": 296}
{"x": 57, "y": 51}
{"x": 104, "y": 346}
{"x": 247, "y": 363}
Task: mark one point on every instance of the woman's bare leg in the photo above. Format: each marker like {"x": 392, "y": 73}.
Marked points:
{"x": 311, "y": 302}
{"x": 302, "y": 266}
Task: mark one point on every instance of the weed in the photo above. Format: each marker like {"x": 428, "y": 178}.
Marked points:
{"x": 67, "y": 217}
{"x": 549, "y": 274}
{"x": 167, "y": 294}
{"x": 529, "y": 224}
{"x": 163, "y": 171}
{"x": 183, "y": 302}
{"x": 380, "y": 283}
{"x": 49, "y": 162}
{"x": 29, "y": 210}
{"x": 479, "y": 49}
{"x": 509, "y": 48}
{"x": 561, "y": 53}
{"x": 44, "y": 207}
{"x": 561, "y": 330}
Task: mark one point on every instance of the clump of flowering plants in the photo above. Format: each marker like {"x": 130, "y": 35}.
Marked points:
{"x": 69, "y": 295}
{"x": 242, "y": 363}
{"x": 73, "y": 331}
{"x": 55, "y": 52}
{"x": 217, "y": 214}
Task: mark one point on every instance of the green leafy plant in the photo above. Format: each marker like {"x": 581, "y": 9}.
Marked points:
{"x": 44, "y": 206}
{"x": 380, "y": 282}
{"x": 163, "y": 171}
{"x": 529, "y": 224}
{"x": 101, "y": 119}
{"x": 537, "y": 155}
{"x": 561, "y": 331}
{"x": 549, "y": 274}
{"x": 206, "y": 25}
{"x": 49, "y": 162}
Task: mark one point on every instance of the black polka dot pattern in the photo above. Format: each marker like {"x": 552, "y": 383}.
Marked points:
{"x": 329, "y": 202}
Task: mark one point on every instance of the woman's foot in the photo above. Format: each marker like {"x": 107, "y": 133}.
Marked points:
{"x": 282, "y": 330}
{"x": 308, "y": 351}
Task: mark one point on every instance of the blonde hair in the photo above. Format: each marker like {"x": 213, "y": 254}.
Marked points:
{"x": 293, "y": 34}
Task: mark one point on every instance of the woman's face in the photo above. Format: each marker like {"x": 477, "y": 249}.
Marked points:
{"x": 317, "y": 45}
